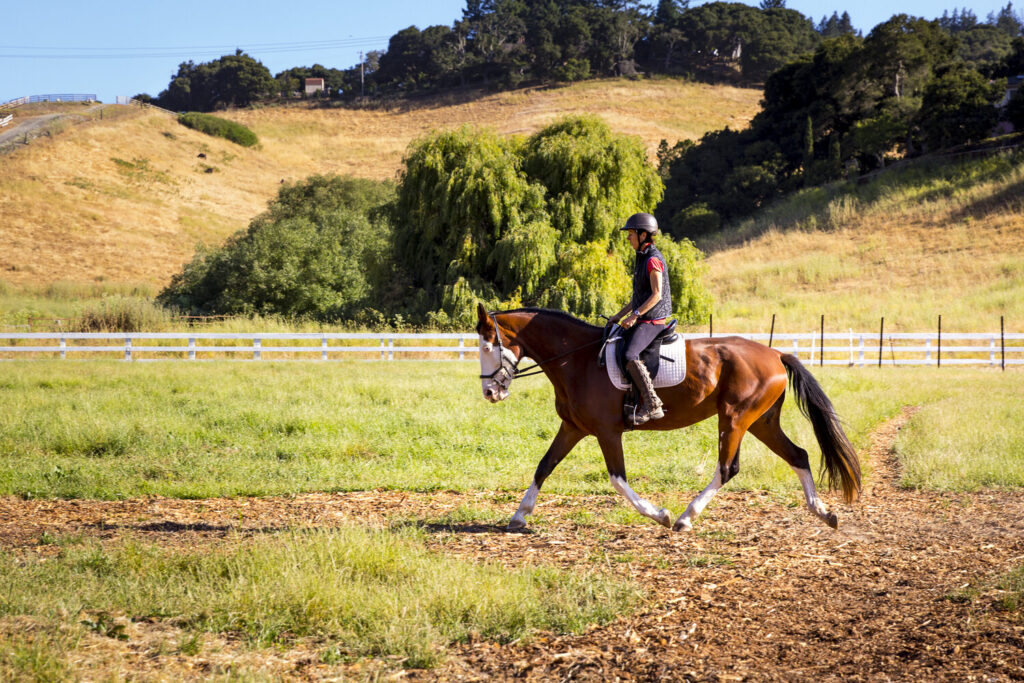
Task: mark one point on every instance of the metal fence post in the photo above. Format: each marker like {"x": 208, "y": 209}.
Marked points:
{"x": 391, "y": 348}
{"x": 382, "y": 348}
{"x": 927, "y": 350}
{"x": 127, "y": 348}
{"x": 323, "y": 348}
{"x": 992, "y": 350}
{"x": 63, "y": 348}
{"x": 796, "y": 348}
{"x": 860, "y": 352}
{"x": 462, "y": 348}
{"x": 191, "y": 348}
{"x": 257, "y": 344}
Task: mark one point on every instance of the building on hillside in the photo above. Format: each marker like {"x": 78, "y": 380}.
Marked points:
{"x": 315, "y": 85}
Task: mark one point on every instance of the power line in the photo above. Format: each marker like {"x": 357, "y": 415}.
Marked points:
{"x": 195, "y": 52}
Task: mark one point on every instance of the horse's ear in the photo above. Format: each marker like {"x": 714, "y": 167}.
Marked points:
{"x": 481, "y": 312}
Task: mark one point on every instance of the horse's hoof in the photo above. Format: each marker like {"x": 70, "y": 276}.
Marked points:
{"x": 682, "y": 524}
{"x": 665, "y": 518}
{"x": 516, "y": 524}
{"x": 832, "y": 520}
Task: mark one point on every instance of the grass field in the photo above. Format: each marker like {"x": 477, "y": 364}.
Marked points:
{"x": 98, "y": 429}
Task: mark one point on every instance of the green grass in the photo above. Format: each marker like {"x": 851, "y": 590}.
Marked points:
{"x": 366, "y": 593}
{"x": 109, "y": 429}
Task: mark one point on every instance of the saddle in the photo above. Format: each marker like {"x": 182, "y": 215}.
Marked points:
{"x": 668, "y": 346}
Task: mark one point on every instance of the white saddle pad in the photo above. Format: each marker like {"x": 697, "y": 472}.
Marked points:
{"x": 670, "y": 372}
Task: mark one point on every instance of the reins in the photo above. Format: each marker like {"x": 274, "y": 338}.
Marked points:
{"x": 516, "y": 371}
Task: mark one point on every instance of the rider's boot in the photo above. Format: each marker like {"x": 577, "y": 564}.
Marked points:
{"x": 652, "y": 407}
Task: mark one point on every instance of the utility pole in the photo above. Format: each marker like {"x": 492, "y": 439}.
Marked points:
{"x": 362, "y": 74}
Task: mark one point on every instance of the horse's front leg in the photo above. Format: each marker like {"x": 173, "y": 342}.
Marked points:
{"x": 567, "y": 437}
{"x": 611, "y": 447}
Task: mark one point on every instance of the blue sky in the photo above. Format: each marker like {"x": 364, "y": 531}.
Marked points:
{"x": 118, "y": 47}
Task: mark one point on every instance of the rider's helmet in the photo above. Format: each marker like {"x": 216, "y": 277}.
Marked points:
{"x": 642, "y": 222}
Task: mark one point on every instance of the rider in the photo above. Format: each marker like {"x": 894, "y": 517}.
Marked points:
{"x": 647, "y": 310}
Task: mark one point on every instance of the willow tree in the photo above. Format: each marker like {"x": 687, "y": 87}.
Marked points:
{"x": 466, "y": 214}
{"x": 530, "y": 220}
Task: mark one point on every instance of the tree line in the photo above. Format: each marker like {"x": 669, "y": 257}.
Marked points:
{"x": 508, "y": 43}
{"x": 904, "y": 90}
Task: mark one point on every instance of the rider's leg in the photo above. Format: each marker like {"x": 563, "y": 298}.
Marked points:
{"x": 643, "y": 335}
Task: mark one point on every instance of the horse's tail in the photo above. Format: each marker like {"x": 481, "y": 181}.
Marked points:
{"x": 837, "y": 453}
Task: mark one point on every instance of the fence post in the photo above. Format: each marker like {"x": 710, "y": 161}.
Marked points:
{"x": 796, "y": 348}
{"x": 257, "y": 344}
{"x": 821, "y": 357}
{"x": 1002, "y": 344}
{"x": 992, "y": 350}
{"x": 711, "y": 324}
{"x": 63, "y": 348}
{"x": 771, "y": 335}
{"x": 881, "y": 344}
{"x": 927, "y": 351}
{"x": 323, "y": 348}
{"x": 851, "y": 346}
{"x": 938, "y": 358}
{"x": 391, "y": 348}
{"x": 812, "y": 348}
{"x": 860, "y": 352}
{"x": 382, "y": 348}
{"x": 191, "y": 348}
{"x": 127, "y": 348}
{"x": 462, "y": 348}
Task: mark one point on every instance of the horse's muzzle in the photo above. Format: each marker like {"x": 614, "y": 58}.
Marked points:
{"x": 494, "y": 392}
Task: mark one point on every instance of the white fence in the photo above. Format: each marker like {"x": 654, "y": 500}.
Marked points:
{"x": 6, "y": 120}
{"x": 848, "y": 349}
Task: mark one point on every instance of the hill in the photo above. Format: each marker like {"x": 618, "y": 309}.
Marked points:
{"x": 942, "y": 237}
{"x": 126, "y": 200}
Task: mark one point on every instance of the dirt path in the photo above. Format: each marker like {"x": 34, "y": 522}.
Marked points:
{"x": 762, "y": 591}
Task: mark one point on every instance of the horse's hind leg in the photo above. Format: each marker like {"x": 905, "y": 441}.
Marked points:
{"x": 611, "y": 447}
{"x": 769, "y": 431}
{"x": 567, "y": 437}
{"x": 730, "y": 434}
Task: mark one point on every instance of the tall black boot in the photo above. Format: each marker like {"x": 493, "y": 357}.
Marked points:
{"x": 652, "y": 406}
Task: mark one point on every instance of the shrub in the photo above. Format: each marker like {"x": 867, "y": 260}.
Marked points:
{"x": 317, "y": 252}
{"x": 218, "y": 127}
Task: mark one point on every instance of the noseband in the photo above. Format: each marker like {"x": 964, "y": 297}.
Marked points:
{"x": 509, "y": 369}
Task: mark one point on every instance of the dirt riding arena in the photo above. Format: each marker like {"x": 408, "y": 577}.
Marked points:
{"x": 904, "y": 590}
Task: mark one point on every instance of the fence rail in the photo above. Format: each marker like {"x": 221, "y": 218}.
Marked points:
{"x": 845, "y": 349}
{"x": 6, "y": 120}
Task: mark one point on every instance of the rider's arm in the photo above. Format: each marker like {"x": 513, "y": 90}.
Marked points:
{"x": 618, "y": 316}
{"x": 651, "y": 302}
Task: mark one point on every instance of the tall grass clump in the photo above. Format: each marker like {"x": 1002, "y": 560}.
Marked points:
{"x": 218, "y": 127}
{"x": 122, "y": 314}
{"x": 367, "y": 593}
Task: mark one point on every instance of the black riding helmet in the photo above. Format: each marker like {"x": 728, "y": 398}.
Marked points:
{"x": 642, "y": 222}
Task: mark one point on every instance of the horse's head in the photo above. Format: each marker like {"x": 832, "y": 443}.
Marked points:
{"x": 498, "y": 357}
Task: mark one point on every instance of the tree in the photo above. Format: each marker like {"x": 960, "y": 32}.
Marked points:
{"x": 315, "y": 252}
{"x": 232, "y": 81}
{"x": 958, "y": 106}
{"x": 522, "y": 220}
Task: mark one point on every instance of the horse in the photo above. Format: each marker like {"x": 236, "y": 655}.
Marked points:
{"x": 740, "y": 381}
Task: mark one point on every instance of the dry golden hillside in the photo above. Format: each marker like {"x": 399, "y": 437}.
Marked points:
{"x": 127, "y": 200}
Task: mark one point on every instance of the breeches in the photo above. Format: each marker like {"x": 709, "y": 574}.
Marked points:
{"x": 640, "y": 338}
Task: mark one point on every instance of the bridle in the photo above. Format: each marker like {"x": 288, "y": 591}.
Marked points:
{"x": 509, "y": 368}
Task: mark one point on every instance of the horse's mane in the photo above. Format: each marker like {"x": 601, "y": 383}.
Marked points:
{"x": 553, "y": 313}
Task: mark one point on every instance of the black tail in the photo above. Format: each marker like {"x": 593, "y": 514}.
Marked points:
{"x": 837, "y": 454}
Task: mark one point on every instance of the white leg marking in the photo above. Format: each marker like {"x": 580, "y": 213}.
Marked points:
{"x": 693, "y": 510}
{"x": 811, "y": 494}
{"x": 518, "y": 520}
{"x": 644, "y": 507}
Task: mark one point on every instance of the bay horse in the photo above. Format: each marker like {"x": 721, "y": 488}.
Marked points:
{"x": 738, "y": 380}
